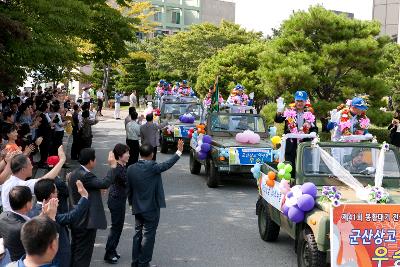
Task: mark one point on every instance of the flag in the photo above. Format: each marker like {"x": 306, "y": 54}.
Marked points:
{"x": 215, "y": 97}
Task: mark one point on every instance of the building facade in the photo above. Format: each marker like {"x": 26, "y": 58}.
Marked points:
{"x": 387, "y": 13}
{"x": 177, "y": 15}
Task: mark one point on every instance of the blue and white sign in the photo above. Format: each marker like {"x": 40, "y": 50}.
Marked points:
{"x": 249, "y": 156}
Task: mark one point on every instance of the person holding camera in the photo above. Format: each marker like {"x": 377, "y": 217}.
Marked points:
{"x": 394, "y": 129}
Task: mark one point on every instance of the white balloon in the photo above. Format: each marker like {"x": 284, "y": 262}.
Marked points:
{"x": 296, "y": 190}
{"x": 291, "y": 202}
{"x": 198, "y": 148}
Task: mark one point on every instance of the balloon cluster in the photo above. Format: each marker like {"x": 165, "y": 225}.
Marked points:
{"x": 201, "y": 129}
{"x": 223, "y": 153}
{"x": 186, "y": 118}
{"x": 284, "y": 173}
{"x": 276, "y": 140}
{"x": 299, "y": 200}
{"x": 248, "y": 137}
{"x": 203, "y": 146}
{"x": 256, "y": 170}
{"x": 271, "y": 179}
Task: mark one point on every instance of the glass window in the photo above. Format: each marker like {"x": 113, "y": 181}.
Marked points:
{"x": 174, "y": 110}
{"x": 194, "y": 3}
{"x": 236, "y": 123}
{"x": 174, "y": 15}
{"x": 157, "y": 16}
{"x": 191, "y": 17}
{"x": 357, "y": 160}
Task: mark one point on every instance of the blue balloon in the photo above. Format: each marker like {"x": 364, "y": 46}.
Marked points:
{"x": 205, "y": 147}
{"x": 272, "y": 131}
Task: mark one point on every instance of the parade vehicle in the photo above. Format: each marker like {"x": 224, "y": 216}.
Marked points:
{"x": 175, "y": 127}
{"x": 345, "y": 218}
{"x": 225, "y": 155}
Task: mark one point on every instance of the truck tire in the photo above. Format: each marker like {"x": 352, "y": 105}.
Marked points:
{"x": 195, "y": 166}
{"x": 212, "y": 174}
{"x": 164, "y": 146}
{"x": 268, "y": 229}
{"x": 308, "y": 254}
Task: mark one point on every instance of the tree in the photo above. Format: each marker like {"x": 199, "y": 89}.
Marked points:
{"x": 133, "y": 75}
{"x": 234, "y": 64}
{"x": 183, "y": 52}
{"x": 391, "y": 75}
{"x": 331, "y": 56}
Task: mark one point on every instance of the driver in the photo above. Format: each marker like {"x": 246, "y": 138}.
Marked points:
{"x": 358, "y": 162}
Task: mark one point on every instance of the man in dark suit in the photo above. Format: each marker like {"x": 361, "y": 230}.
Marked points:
{"x": 46, "y": 189}
{"x": 11, "y": 221}
{"x": 149, "y": 134}
{"x": 84, "y": 233}
{"x": 147, "y": 194}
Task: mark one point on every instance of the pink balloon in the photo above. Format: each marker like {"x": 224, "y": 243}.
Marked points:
{"x": 254, "y": 138}
{"x": 241, "y": 138}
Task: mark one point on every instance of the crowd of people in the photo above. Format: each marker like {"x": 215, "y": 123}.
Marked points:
{"x": 53, "y": 220}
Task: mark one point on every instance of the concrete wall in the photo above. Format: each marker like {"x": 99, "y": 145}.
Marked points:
{"x": 387, "y": 13}
{"x": 214, "y": 11}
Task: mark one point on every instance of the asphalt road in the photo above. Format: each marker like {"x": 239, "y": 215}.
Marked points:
{"x": 201, "y": 227}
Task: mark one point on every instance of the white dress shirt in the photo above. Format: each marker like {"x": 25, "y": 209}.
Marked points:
{"x": 9, "y": 184}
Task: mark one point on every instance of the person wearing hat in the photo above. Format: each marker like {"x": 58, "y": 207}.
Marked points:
{"x": 349, "y": 119}
{"x": 299, "y": 119}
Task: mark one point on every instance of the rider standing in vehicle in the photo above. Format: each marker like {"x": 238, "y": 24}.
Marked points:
{"x": 297, "y": 119}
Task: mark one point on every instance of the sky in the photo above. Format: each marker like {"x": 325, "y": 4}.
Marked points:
{"x": 262, "y": 15}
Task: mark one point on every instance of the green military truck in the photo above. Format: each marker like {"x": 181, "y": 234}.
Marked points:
{"x": 227, "y": 156}
{"x": 312, "y": 236}
{"x": 171, "y": 108}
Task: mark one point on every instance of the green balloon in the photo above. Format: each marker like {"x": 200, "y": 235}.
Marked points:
{"x": 281, "y": 166}
{"x": 288, "y": 168}
{"x": 281, "y": 173}
{"x": 287, "y": 176}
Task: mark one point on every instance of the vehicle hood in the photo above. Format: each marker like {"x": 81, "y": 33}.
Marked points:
{"x": 231, "y": 142}
{"x": 349, "y": 196}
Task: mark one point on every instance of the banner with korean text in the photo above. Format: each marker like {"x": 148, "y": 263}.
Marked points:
{"x": 365, "y": 235}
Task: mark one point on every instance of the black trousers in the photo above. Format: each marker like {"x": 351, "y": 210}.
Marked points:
{"x": 99, "y": 105}
{"x": 117, "y": 209}
{"x": 133, "y": 151}
{"x": 86, "y": 143}
{"x": 145, "y": 236}
{"x": 155, "y": 153}
{"x": 290, "y": 153}
{"x": 82, "y": 246}
{"x": 57, "y": 142}
{"x": 76, "y": 146}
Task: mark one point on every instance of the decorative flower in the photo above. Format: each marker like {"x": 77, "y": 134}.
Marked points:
{"x": 364, "y": 123}
{"x": 385, "y": 146}
{"x": 309, "y": 117}
{"x": 377, "y": 195}
{"x": 330, "y": 194}
{"x": 348, "y": 102}
{"x": 290, "y": 113}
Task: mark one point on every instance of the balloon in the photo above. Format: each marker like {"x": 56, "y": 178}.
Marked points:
{"x": 281, "y": 173}
{"x": 295, "y": 214}
{"x": 257, "y": 167}
{"x": 205, "y": 147}
{"x": 272, "y": 131}
{"x": 296, "y": 191}
{"x": 207, "y": 139}
{"x": 288, "y": 168}
{"x": 306, "y": 202}
{"x": 202, "y": 155}
{"x": 291, "y": 201}
{"x": 254, "y": 138}
{"x": 287, "y": 176}
{"x": 285, "y": 210}
{"x": 270, "y": 183}
{"x": 276, "y": 140}
{"x": 241, "y": 138}
{"x": 284, "y": 187}
{"x": 309, "y": 188}
{"x": 289, "y": 195}
{"x": 271, "y": 175}
{"x": 198, "y": 149}
{"x": 281, "y": 166}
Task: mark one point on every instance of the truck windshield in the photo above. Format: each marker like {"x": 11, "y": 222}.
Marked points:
{"x": 237, "y": 123}
{"x": 174, "y": 110}
{"x": 357, "y": 160}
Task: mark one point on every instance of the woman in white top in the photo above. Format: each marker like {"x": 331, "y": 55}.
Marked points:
{"x": 58, "y": 129}
{"x": 132, "y": 138}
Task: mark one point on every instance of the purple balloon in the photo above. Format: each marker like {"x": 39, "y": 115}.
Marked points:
{"x": 306, "y": 202}
{"x": 309, "y": 188}
{"x": 295, "y": 214}
{"x": 202, "y": 155}
{"x": 289, "y": 195}
{"x": 285, "y": 210}
{"x": 207, "y": 139}
{"x": 205, "y": 147}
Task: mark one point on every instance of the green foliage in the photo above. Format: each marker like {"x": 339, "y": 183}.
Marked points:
{"x": 183, "y": 52}
{"x": 331, "y": 56}
{"x": 268, "y": 112}
{"x": 391, "y": 75}
{"x": 133, "y": 74}
{"x": 322, "y": 108}
{"x": 379, "y": 118}
{"x": 234, "y": 64}
{"x": 382, "y": 134}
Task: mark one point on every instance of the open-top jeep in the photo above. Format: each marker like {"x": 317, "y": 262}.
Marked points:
{"x": 312, "y": 236}
{"x": 171, "y": 109}
{"x": 227, "y": 156}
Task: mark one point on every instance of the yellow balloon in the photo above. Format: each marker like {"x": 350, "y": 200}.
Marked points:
{"x": 276, "y": 140}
